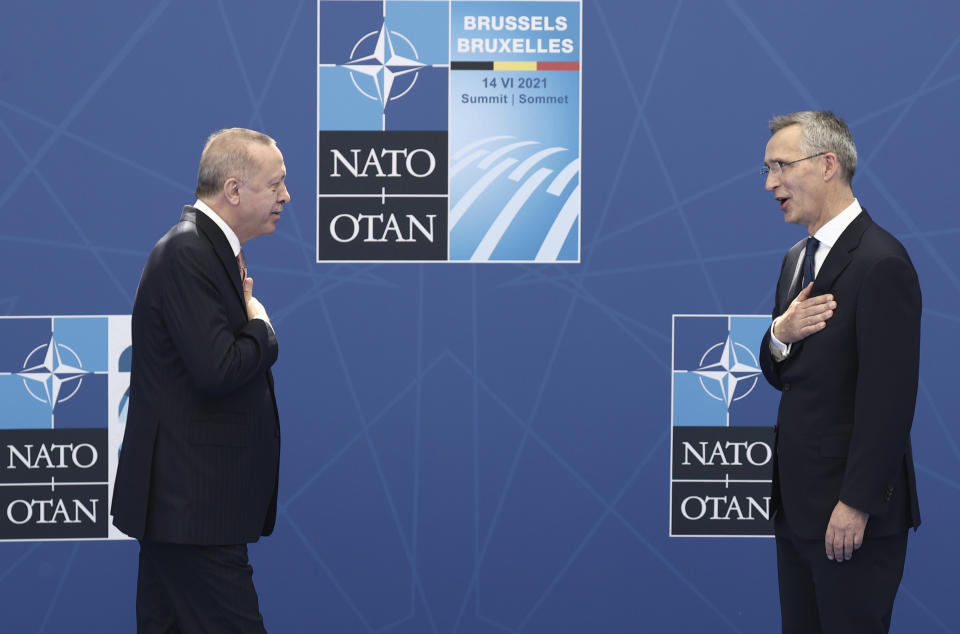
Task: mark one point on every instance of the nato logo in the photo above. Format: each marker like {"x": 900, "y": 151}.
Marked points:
{"x": 59, "y": 376}
{"x": 717, "y": 381}
{"x": 53, "y": 372}
{"x": 721, "y": 455}
{"x": 382, "y": 65}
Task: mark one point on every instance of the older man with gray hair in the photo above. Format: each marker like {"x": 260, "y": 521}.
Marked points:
{"x": 197, "y": 476}
{"x": 844, "y": 351}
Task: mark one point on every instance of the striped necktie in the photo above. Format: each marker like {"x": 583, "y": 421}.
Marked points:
{"x": 242, "y": 265}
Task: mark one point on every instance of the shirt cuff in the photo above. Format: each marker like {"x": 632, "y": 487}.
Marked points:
{"x": 778, "y": 350}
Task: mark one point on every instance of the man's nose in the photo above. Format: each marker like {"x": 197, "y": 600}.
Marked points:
{"x": 772, "y": 181}
{"x": 284, "y": 194}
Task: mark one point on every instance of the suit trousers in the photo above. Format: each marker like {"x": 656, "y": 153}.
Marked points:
{"x": 188, "y": 589}
{"x": 820, "y": 596}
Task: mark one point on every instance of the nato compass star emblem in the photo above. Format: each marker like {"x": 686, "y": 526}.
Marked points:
{"x": 729, "y": 373}
{"x": 52, "y": 370}
{"x": 380, "y": 70}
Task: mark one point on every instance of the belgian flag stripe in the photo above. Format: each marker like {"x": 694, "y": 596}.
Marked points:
{"x": 558, "y": 65}
{"x": 471, "y": 65}
{"x": 514, "y": 65}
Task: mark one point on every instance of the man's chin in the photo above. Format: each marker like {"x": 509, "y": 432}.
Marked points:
{"x": 266, "y": 229}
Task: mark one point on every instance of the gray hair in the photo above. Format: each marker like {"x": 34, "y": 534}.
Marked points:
{"x": 225, "y": 155}
{"x": 822, "y": 132}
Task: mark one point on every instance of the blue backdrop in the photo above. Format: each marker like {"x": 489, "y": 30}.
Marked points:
{"x": 482, "y": 449}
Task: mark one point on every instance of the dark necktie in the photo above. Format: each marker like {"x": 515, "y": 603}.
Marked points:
{"x": 808, "y": 263}
{"x": 242, "y": 265}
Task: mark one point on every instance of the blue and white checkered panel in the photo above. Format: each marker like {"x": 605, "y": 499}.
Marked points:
{"x": 717, "y": 381}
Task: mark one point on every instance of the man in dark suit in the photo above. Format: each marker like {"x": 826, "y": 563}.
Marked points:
{"x": 197, "y": 476}
{"x": 844, "y": 352}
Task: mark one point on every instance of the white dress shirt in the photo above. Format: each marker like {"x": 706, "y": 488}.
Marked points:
{"x": 231, "y": 237}
{"x": 828, "y": 235}
{"x": 220, "y": 222}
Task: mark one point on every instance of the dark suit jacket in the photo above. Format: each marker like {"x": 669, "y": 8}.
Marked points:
{"x": 848, "y": 392}
{"x": 201, "y": 449}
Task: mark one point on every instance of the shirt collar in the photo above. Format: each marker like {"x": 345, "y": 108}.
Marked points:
{"x": 829, "y": 233}
{"x": 220, "y": 222}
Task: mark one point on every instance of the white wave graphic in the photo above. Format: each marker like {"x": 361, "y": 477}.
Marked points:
{"x": 486, "y": 160}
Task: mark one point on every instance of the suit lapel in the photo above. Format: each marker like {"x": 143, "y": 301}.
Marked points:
{"x": 789, "y": 280}
{"x": 220, "y": 246}
{"x": 840, "y": 254}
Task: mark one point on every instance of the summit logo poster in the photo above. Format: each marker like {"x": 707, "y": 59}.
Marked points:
{"x": 448, "y": 131}
{"x": 64, "y": 391}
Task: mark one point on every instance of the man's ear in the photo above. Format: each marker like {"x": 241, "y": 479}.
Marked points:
{"x": 831, "y": 166}
{"x": 231, "y": 190}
